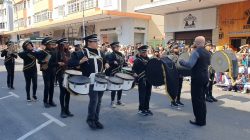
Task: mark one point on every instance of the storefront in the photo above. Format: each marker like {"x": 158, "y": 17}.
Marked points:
{"x": 185, "y": 26}
{"x": 234, "y": 24}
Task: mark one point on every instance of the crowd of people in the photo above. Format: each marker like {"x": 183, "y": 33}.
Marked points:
{"x": 57, "y": 56}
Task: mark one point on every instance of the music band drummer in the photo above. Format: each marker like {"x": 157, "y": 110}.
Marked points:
{"x": 144, "y": 87}
{"x": 116, "y": 61}
{"x": 91, "y": 60}
{"x": 63, "y": 56}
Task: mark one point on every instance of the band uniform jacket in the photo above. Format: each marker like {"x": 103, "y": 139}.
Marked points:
{"x": 9, "y": 57}
{"x": 115, "y": 68}
{"x": 139, "y": 67}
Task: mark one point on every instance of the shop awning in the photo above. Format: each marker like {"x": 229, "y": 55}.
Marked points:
{"x": 163, "y": 7}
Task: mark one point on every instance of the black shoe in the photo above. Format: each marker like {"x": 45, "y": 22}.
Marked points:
{"x": 179, "y": 103}
{"x": 34, "y": 97}
{"x": 174, "y": 104}
{"x": 99, "y": 125}
{"x": 215, "y": 100}
{"x": 142, "y": 112}
{"x": 28, "y": 99}
{"x": 149, "y": 112}
{"x": 63, "y": 114}
{"x": 120, "y": 103}
{"x": 68, "y": 113}
{"x": 46, "y": 105}
{"x": 195, "y": 123}
{"x": 208, "y": 99}
{"x": 12, "y": 88}
{"x": 52, "y": 104}
{"x": 92, "y": 124}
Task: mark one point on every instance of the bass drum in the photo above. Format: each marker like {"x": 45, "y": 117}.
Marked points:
{"x": 221, "y": 61}
{"x": 184, "y": 71}
{"x": 163, "y": 72}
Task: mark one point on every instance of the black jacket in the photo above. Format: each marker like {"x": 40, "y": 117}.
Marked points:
{"x": 29, "y": 61}
{"x": 52, "y": 64}
{"x": 9, "y": 58}
{"x": 114, "y": 68}
{"x": 139, "y": 67}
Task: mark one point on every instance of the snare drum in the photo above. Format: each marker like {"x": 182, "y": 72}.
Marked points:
{"x": 69, "y": 73}
{"x": 100, "y": 84}
{"x": 127, "y": 70}
{"x": 78, "y": 85}
{"x": 114, "y": 83}
{"x": 128, "y": 80}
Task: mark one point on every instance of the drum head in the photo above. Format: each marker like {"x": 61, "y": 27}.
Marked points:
{"x": 127, "y": 70}
{"x": 115, "y": 80}
{"x": 154, "y": 72}
{"x": 79, "y": 80}
{"x": 73, "y": 72}
{"x": 124, "y": 76}
{"x": 219, "y": 62}
{"x": 100, "y": 75}
{"x": 101, "y": 80}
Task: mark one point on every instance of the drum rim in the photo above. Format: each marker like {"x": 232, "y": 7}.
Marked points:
{"x": 79, "y": 72}
{"x": 116, "y": 83}
{"x": 75, "y": 93}
{"x": 105, "y": 81}
{"x": 83, "y": 83}
{"x": 127, "y": 79}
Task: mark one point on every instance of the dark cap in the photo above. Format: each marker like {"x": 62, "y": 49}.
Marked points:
{"x": 91, "y": 38}
{"x": 48, "y": 40}
{"x": 26, "y": 43}
{"x": 143, "y": 48}
{"x": 9, "y": 43}
{"x": 62, "y": 41}
{"x": 115, "y": 44}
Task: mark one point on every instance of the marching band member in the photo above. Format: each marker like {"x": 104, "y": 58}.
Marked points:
{"x": 29, "y": 68}
{"x": 198, "y": 63}
{"x": 63, "y": 56}
{"x": 48, "y": 67}
{"x": 144, "y": 87}
{"x": 9, "y": 62}
{"x": 116, "y": 61}
{"x": 91, "y": 60}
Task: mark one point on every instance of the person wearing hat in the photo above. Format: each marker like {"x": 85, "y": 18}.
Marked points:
{"x": 29, "y": 68}
{"x": 48, "y": 64}
{"x": 144, "y": 87}
{"x": 63, "y": 56}
{"x": 211, "y": 72}
{"x": 198, "y": 63}
{"x": 9, "y": 62}
{"x": 116, "y": 61}
{"x": 91, "y": 61}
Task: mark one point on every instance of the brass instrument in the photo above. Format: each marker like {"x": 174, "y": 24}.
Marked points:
{"x": 45, "y": 61}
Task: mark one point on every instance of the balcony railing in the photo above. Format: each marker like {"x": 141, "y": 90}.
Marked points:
{"x": 75, "y": 6}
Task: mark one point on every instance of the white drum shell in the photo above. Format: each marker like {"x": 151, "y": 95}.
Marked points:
{"x": 80, "y": 89}
{"x": 100, "y": 86}
{"x": 127, "y": 84}
{"x": 114, "y": 87}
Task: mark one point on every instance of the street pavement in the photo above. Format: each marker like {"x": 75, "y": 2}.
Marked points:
{"x": 228, "y": 119}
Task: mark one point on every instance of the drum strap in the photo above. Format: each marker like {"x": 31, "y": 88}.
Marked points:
{"x": 95, "y": 57}
{"x": 230, "y": 67}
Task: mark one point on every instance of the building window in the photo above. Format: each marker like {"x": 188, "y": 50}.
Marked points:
{"x": 59, "y": 11}
{"x": 42, "y": 16}
{"x": 19, "y": 6}
{"x": 73, "y": 6}
{"x": 2, "y": 25}
{"x": 36, "y": 1}
{"x": 2, "y": 12}
{"x": 88, "y": 4}
{"x": 20, "y": 23}
{"x": 29, "y": 20}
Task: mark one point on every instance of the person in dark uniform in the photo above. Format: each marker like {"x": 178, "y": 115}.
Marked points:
{"x": 63, "y": 56}
{"x": 198, "y": 62}
{"x": 211, "y": 72}
{"x": 9, "y": 62}
{"x": 116, "y": 61}
{"x": 144, "y": 87}
{"x": 91, "y": 60}
{"x": 29, "y": 68}
{"x": 48, "y": 65}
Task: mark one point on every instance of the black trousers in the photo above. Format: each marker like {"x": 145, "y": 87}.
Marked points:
{"x": 198, "y": 88}
{"x": 64, "y": 94}
{"x": 95, "y": 99}
{"x": 178, "y": 98}
{"x": 48, "y": 78}
{"x": 209, "y": 89}
{"x": 144, "y": 88}
{"x": 30, "y": 76}
{"x": 10, "y": 74}
{"x": 119, "y": 95}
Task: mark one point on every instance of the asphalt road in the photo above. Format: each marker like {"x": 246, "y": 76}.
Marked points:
{"x": 228, "y": 119}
